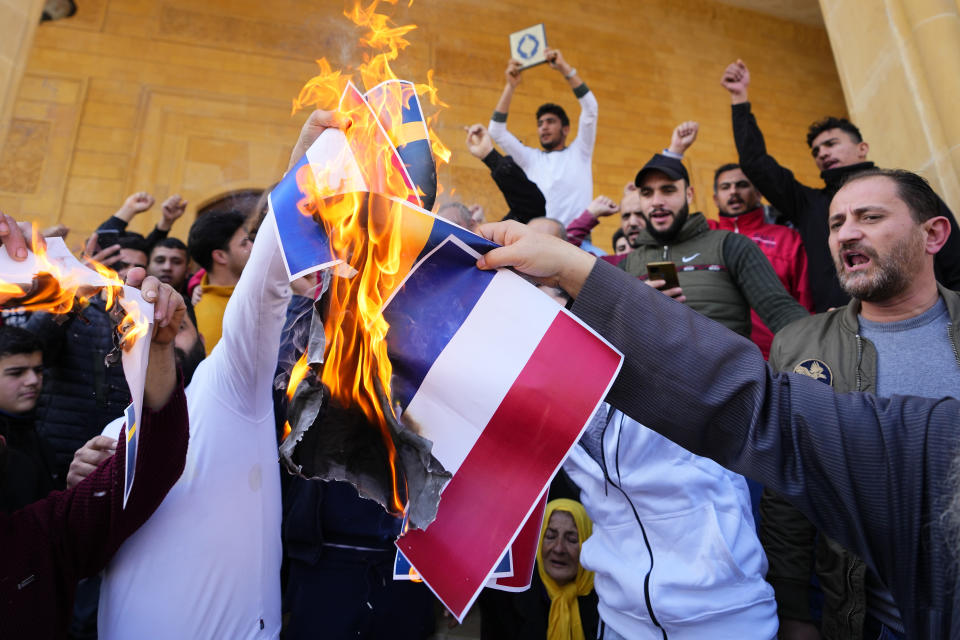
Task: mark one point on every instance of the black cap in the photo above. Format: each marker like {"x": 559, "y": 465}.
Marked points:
{"x": 672, "y": 167}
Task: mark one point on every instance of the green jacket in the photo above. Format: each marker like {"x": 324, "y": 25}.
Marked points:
{"x": 723, "y": 275}
{"x": 826, "y": 347}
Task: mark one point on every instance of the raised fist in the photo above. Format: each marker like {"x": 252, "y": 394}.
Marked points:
{"x": 478, "y": 141}
{"x": 736, "y": 79}
{"x": 602, "y": 206}
{"x": 683, "y": 136}
{"x": 137, "y": 202}
{"x": 172, "y": 208}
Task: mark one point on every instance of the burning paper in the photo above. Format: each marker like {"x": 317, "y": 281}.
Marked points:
{"x": 135, "y": 331}
{"x": 363, "y": 159}
{"x": 51, "y": 279}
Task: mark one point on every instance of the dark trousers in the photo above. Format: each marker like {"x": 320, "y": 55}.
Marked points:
{"x": 352, "y": 594}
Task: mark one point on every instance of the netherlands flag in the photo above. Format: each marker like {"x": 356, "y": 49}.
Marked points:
{"x": 503, "y": 381}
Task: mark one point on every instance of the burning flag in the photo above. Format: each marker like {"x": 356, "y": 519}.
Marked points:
{"x": 431, "y": 375}
{"x": 503, "y": 382}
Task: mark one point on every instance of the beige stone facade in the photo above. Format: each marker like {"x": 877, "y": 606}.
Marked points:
{"x": 899, "y": 63}
{"x": 178, "y": 96}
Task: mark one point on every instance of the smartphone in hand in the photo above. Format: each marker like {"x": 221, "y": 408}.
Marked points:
{"x": 663, "y": 271}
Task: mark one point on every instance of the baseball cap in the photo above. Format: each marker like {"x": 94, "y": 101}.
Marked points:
{"x": 672, "y": 167}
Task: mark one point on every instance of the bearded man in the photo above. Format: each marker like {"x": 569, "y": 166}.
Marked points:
{"x": 899, "y": 335}
{"x": 721, "y": 274}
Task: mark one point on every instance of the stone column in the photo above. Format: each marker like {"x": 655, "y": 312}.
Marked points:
{"x": 899, "y": 64}
{"x": 18, "y": 23}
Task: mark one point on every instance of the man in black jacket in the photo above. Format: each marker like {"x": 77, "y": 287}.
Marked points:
{"x": 29, "y": 473}
{"x": 524, "y": 199}
{"x": 839, "y": 151}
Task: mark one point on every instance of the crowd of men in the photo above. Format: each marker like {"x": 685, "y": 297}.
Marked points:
{"x": 845, "y": 287}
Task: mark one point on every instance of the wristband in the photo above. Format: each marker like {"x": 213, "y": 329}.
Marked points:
{"x": 572, "y": 73}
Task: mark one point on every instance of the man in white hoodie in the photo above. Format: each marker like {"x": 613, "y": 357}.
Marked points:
{"x": 674, "y": 547}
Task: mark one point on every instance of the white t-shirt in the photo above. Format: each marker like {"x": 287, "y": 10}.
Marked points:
{"x": 207, "y": 563}
{"x": 565, "y": 177}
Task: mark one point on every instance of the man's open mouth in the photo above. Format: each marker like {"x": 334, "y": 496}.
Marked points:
{"x": 855, "y": 260}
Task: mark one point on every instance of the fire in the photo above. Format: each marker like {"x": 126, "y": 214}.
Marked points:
{"x": 384, "y": 42}
{"x": 58, "y": 286}
{"x": 53, "y": 287}
{"x": 297, "y": 374}
{"x": 364, "y": 229}
{"x": 130, "y": 329}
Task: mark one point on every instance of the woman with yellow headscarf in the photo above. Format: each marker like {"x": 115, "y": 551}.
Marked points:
{"x": 565, "y": 527}
{"x": 560, "y": 603}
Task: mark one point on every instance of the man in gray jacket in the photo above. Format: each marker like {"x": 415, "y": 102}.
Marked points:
{"x": 874, "y": 474}
{"x": 898, "y": 335}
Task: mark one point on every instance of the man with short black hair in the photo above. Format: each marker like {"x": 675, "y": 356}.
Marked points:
{"x": 31, "y": 468}
{"x": 169, "y": 263}
{"x": 632, "y": 220}
{"x": 562, "y": 172}
{"x": 885, "y": 228}
{"x": 742, "y": 212}
{"x": 621, "y": 246}
{"x": 132, "y": 253}
{"x": 219, "y": 244}
{"x": 839, "y": 151}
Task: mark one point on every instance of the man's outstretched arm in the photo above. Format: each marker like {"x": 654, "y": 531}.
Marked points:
{"x": 776, "y": 183}
{"x": 710, "y": 391}
{"x": 587, "y": 124}
{"x": 253, "y": 320}
{"x": 498, "y": 121}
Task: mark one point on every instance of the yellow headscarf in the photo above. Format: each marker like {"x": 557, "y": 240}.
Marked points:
{"x": 564, "y": 622}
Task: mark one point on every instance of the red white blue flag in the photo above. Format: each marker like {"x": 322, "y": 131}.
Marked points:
{"x": 503, "y": 381}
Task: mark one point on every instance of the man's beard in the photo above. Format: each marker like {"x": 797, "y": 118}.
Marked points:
{"x": 549, "y": 145}
{"x": 746, "y": 208}
{"x": 679, "y": 219}
{"x": 890, "y": 275}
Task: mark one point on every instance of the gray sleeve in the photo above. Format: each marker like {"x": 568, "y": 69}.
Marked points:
{"x": 759, "y": 283}
{"x": 709, "y": 390}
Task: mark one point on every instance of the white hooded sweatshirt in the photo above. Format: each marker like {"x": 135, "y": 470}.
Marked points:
{"x": 693, "y": 518}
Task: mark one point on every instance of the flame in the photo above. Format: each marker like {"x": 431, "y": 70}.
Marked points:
{"x": 364, "y": 229}
{"x": 111, "y": 275}
{"x": 52, "y": 288}
{"x": 131, "y": 328}
{"x": 58, "y": 289}
{"x": 384, "y": 42}
{"x": 297, "y": 374}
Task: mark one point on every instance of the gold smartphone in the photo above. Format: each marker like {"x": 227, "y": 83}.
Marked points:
{"x": 663, "y": 271}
